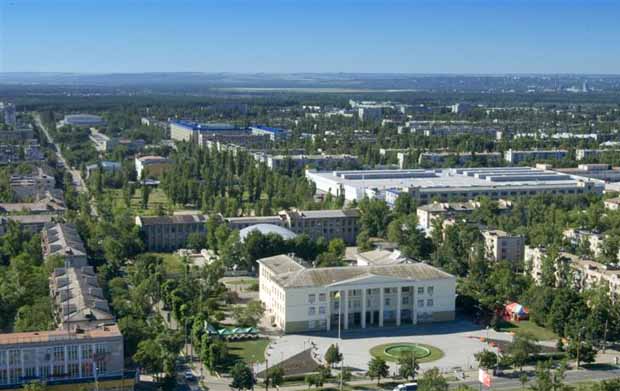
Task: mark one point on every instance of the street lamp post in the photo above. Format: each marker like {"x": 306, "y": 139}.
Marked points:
{"x": 340, "y": 340}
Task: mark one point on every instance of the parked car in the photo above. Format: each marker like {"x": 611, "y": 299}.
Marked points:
{"x": 189, "y": 375}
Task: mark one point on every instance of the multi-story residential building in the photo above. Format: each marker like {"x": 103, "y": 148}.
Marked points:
{"x": 82, "y": 121}
{"x": 287, "y": 162}
{"x": 104, "y": 166}
{"x": 370, "y": 113}
{"x": 299, "y": 298}
{"x": 49, "y": 204}
{"x": 460, "y": 158}
{"x": 578, "y": 236}
{"x": 612, "y": 203}
{"x": 183, "y": 130}
{"x": 102, "y": 142}
{"x": 78, "y": 299}
{"x": 63, "y": 240}
{"x": 170, "y": 232}
{"x": 275, "y": 134}
{"x": 444, "y": 210}
{"x": 586, "y": 273}
{"x": 501, "y": 245}
{"x": 32, "y": 186}
{"x": 153, "y": 166}
{"x": 514, "y": 157}
{"x": 583, "y": 154}
{"x": 427, "y": 185}
{"x": 65, "y": 360}
{"x": 31, "y": 223}
{"x": 9, "y": 113}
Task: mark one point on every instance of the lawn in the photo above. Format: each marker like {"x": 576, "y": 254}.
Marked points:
{"x": 172, "y": 262}
{"x": 250, "y": 351}
{"x": 528, "y": 327}
{"x": 379, "y": 351}
{"x": 157, "y": 198}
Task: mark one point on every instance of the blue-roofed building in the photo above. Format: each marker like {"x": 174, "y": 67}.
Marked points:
{"x": 274, "y": 134}
{"x": 184, "y": 130}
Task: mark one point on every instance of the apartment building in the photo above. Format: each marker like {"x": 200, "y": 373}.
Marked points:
{"x": 32, "y": 186}
{"x": 428, "y": 213}
{"x": 500, "y": 245}
{"x": 63, "y": 240}
{"x": 460, "y": 158}
{"x": 49, "y": 204}
{"x": 31, "y": 223}
{"x": 274, "y": 134}
{"x": 612, "y": 203}
{"x": 576, "y": 237}
{"x": 102, "y": 142}
{"x": 515, "y": 157}
{"x": 65, "y": 360}
{"x": 299, "y": 298}
{"x": 295, "y": 162}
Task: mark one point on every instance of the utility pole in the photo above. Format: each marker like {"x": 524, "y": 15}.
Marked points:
{"x": 605, "y": 336}
{"x": 578, "y": 345}
{"x": 339, "y": 339}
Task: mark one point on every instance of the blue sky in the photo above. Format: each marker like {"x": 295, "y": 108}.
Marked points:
{"x": 464, "y": 36}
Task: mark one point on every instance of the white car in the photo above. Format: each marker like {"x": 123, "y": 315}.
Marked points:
{"x": 189, "y": 375}
{"x": 406, "y": 387}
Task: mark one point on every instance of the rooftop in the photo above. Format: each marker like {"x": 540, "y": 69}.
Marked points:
{"x": 63, "y": 239}
{"x": 289, "y": 273}
{"x": 103, "y": 331}
{"x": 191, "y": 125}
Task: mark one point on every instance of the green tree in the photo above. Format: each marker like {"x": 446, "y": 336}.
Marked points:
{"x": 408, "y": 366}
{"x": 35, "y": 386}
{"x": 333, "y": 355}
{"x": 486, "y": 359}
{"x": 275, "y": 377}
{"x": 242, "y": 377}
{"x": 522, "y": 347}
{"x": 378, "y": 369}
{"x": 432, "y": 380}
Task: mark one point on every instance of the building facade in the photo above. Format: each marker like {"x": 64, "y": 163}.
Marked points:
{"x": 153, "y": 166}
{"x": 65, "y": 360}
{"x": 300, "y": 299}
{"x": 501, "y": 245}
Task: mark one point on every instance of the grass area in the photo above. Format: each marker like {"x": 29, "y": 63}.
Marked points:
{"x": 250, "y": 351}
{"x": 379, "y": 351}
{"x": 528, "y": 327}
{"x": 244, "y": 281}
{"x": 157, "y": 199}
{"x": 172, "y": 262}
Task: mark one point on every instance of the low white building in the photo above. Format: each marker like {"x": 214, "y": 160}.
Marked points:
{"x": 300, "y": 298}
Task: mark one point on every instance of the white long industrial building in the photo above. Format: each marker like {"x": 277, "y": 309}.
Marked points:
{"x": 427, "y": 185}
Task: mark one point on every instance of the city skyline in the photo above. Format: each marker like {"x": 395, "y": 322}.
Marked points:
{"x": 474, "y": 37}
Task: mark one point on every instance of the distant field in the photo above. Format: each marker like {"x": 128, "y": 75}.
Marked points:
{"x": 310, "y": 89}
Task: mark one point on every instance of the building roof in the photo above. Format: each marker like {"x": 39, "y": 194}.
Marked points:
{"x": 615, "y": 200}
{"x": 267, "y": 229}
{"x": 78, "y": 295}
{"x": 208, "y": 127}
{"x": 290, "y": 274}
{"x": 152, "y": 159}
{"x": 63, "y": 240}
{"x": 175, "y": 219}
{"x": 323, "y": 213}
{"x": 383, "y": 257}
{"x": 102, "y": 331}
{"x": 270, "y": 129}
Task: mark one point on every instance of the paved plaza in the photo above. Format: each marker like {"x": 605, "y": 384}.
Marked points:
{"x": 459, "y": 340}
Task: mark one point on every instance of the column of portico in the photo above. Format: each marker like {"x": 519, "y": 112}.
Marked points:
{"x": 414, "y": 298}
{"x": 364, "y": 308}
{"x": 328, "y": 312}
{"x": 398, "y": 301}
{"x": 345, "y": 296}
{"x": 381, "y": 301}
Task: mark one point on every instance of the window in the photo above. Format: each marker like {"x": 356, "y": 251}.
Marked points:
{"x": 430, "y": 290}
{"x": 311, "y": 298}
{"x": 14, "y": 357}
{"x": 420, "y": 290}
{"x": 321, "y": 296}
{"x": 311, "y": 311}
{"x": 72, "y": 353}
{"x": 429, "y": 302}
{"x": 59, "y": 353}
{"x": 322, "y": 310}
{"x": 387, "y": 301}
{"x": 420, "y": 303}
{"x": 405, "y": 300}
{"x": 405, "y": 289}
{"x": 336, "y": 305}
{"x": 312, "y": 324}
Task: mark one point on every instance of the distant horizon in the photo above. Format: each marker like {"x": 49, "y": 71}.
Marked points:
{"x": 473, "y": 37}
{"x": 104, "y": 73}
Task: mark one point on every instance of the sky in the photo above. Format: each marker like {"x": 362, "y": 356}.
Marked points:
{"x": 459, "y": 36}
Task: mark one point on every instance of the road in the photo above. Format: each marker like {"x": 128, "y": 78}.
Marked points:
{"x": 77, "y": 180}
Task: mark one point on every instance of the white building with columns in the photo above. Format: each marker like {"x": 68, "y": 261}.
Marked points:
{"x": 300, "y": 298}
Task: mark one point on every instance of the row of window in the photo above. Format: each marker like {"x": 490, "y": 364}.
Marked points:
{"x": 356, "y": 292}
{"x": 356, "y": 304}
{"x": 498, "y": 193}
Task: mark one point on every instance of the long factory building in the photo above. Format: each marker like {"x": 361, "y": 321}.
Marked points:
{"x": 426, "y": 185}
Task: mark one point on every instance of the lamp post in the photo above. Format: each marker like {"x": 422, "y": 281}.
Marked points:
{"x": 340, "y": 339}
